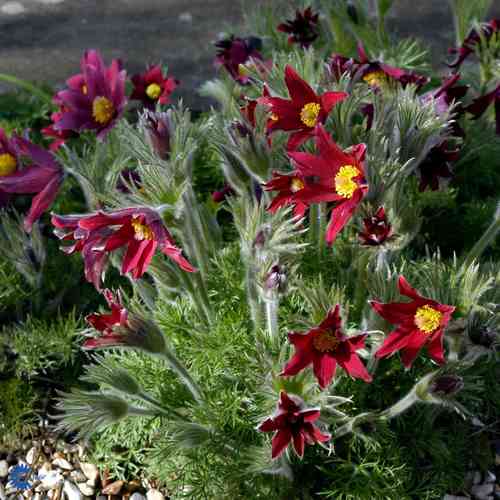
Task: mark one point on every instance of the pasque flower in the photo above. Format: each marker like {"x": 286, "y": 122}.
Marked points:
{"x": 376, "y": 229}
{"x": 473, "y": 39}
{"x": 28, "y": 169}
{"x": 288, "y": 186}
{"x": 325, "y": 347}
{"x": 95, "y": 98}
{"x": 157, "y": 129}
{"x": 151, "y": 87}
{"x": 139, "y": 229}
{"x": 419, "y": 322}
{"x": 302, "y": 112}
{"x": 437, "y": 166}
{"x": 59, "y": 137}
{"x": 293, "y": 422}
{"x": 233, "y": 53}
{"x": 303, "y": 29}
{"x": 481, "y": 104}
{"x": 332, "y": 176}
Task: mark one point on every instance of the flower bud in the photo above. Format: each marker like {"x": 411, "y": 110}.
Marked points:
{"x": 446, "y": 385}
{"x": 276, "y": 280}
{"x": 142, "y": 334}
{"x": 156, "y": 127}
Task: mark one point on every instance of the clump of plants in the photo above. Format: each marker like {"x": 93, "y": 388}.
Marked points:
{"x": 298, "y": 332}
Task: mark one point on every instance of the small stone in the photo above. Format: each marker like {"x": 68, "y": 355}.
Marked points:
{"x": 72, "y": 491}
{"x": 52, "y": 479}
{"x": 44, "y": 469}
{"x": 58, "y": 454}
{"x": 489, "y": 477}
{"x": 78, "y": 476}
{"x": 31, "y": 456}
{"x": 86, "y": 489}
{"x": 113, "y": 488}
{"x": 137, "y": 496}
{"x": 90, "y": 470}
{"x": 4, "y": 468}
{"x": 154, "y": 495}
{"x": 482, "y": 491}
{"x": 3, "y": 496}
{"x": 81, "y": 451}
{"x": 62, "y": 463}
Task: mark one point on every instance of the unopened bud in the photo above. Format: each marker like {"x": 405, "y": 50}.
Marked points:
{"x": 276, "y": 280}
{"x": 157, "y": 127}
{"x": 446, "y": 385}
{"x": 142, "y": 334}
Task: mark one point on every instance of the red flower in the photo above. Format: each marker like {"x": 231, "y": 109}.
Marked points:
{"x": 324, "y": 347}
{"x": 436, "y": 166}
{"x": 302, "y": 112}
{"x": 59, "y": 136}
{"x": 333, "y": 176}
{"x": 303, "y": 29}
{"x": 288, "y": 187}
{"x": 105, "y": 323}
{"x": 293, "y": 422}
{"x": 28, "y": 169}
{"x": 152, "y": 87}
{"x": 481, "y": 104}
{"x": 419, "y": 322}
{"x": 376, "y": 229}
{"x": 140, "y": 230}
{"x": 225, "y": 192}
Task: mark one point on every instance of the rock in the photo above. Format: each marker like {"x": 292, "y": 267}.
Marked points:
{"x": 489, "y": 477}
{"x": 86, "y": 489}
{"x": 137, "y": 496}
{"x": 78, "y": 476}
{"x": 62, "y": 463}
{"x": 154, "y": 495}
{"x": 113, "y": 488}
{"x": 482, "y": 491}
{"x": 90, "y": 470}
{"x": 3, "y": 496}
{"x": 72, "y": 491}
{"x": 4, "y": 468}
{"x": 52, "y": 479}
{"x": 31, "y": 456}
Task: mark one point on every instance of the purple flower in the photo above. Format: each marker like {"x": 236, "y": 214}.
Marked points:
{"x": 436, "y": 166}
{"x": 303, "y": 29}
{"x": 94, "y": 99}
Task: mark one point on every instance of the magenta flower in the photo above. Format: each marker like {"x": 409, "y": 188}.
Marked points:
{"x": 139, "y": 229}
{"x": 293, "y": 422}
{"x": 152, "y": 87}
{"x": 94, "y": 99}
{"x": 28, "y": 169}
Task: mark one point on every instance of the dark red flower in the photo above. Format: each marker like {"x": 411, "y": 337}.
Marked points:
{"x": 287, "y": 185}
{"x": 436, "y": 166}
{"x": 28, "y": 169}
{"x": 333, "y": 176}
{"x": 233, "y": 53}
{"x": 481, "y": 104}
{"x": 59, "y": 136}
{"x": 303, "y": 29}
{"x": 324, "y": 347}
{"x": 376, "y": 229}
{"x": 128, "y": 176}
{"x": 293, "y": 422}
{"x": 139, "y": 229}
{"x": 340, "y": 65}
{"x": 151, "y": 87}
{"x": 95, "y": 99}
{"x": 302, "y": 112}
{"x": 157, "y": 128}
{"x": 473, "y": 39}
{"x": 419, "y": 322}
{"x": 105, "y": 323}
{"x": 220, "y": 196}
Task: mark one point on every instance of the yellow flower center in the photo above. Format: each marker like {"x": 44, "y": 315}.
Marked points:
{"x": 7, "y": 164}
{"x": 102, "y": 110}
{"x": 427, "y": 319}
{"x": 274, "y": 117}
{"x": 85, "y": 89}
{"x": 142, "y": 231}
{"x": 296, "y": 185}
{"x": 325, "y": 341}
{"x": 309, "y": 114}
{"x": 153, "y": 91}
{"x": 344, "y": 183}
{"x": 376, "y": 78}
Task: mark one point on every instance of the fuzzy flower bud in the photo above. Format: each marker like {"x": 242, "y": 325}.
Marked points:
{"x": 446, "y": 385}
{"x": 157, "y": 127}
{"x": 276, "y": 280}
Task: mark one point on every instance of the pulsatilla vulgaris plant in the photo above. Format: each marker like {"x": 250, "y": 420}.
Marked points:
{"x": 263, "y": 340}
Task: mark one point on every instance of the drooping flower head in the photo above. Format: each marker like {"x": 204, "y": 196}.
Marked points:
{"x": 449, "y": 92}
{"x": 157, "y": 129}
{"x": 233, "y": 53}
{"x": 437, "y": 166}
{"x": 419, "y": 322}
{"x": 325, "y": 347}
{"x": 139, "y": 229}
{"x": 376, "y": 229}
{"x": 293, "y": 422}
{"x": 303, "y": 29}
{"x": 473, "y": 39}
{"x": 332, "y": 176}
{"x": 482, "y": 103}
{"x": 95, "y": 98}
{"x": 302, "y": 112}
{"x": 28, "y": 169}
{"x": 151, "y": 87}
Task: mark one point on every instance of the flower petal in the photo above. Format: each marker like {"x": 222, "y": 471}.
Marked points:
{"x": 280, "y": 442}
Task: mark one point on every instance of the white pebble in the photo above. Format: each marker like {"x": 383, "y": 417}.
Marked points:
{"x": 137, "y": 496}
{"x": 13, "y": 8}
{"x": 489, "y": 477}
{"x": 154, "y": 495}
{"x": 86, "y": 489}
{"x": 4, "y": 468}
{"x": 62, "y": 463}
{"x": 71, "y": 490}
{"x": 482, "y": 491}
{"x": 90, "y": 470}
{"x": 30, "y": 456}
{"x": 52, "y": 479}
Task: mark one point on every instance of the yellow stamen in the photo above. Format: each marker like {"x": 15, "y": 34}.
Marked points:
{"x": 243, "y": 70}
{"x": 344, "y": 183}
{"x": 296, "y": 185}
{"x": 142, "y": 231}
{"x": 326, "y": 341}
{"x": 8, "y": 164}
{"x": 102, "y": 110}
{"x": 376, "y": 78}
{"x": 274, "y": 117}
{"x": 427, "y": 319}
{"x": 309, "y": 114}
{"x": 85, "y": 89}
{"x": 153, "y": 91}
